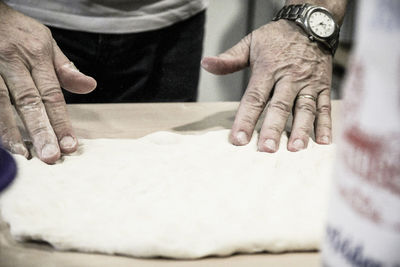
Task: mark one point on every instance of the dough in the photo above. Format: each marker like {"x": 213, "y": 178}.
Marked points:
{"x": 171, "y": 195}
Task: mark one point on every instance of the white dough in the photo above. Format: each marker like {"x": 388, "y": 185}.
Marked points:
{"x": 171, "y": 195}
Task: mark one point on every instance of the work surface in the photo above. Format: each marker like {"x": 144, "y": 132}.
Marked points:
{"x": 132, "y": 121}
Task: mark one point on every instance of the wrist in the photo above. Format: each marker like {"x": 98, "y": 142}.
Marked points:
{"x": 336, "y": 7}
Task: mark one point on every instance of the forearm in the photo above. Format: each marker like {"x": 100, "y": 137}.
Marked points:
{"x": 336, "y": 7}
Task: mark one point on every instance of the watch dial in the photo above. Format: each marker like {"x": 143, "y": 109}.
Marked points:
{"x": 321, "y": 24}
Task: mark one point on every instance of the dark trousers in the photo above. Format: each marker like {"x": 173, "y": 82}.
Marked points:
{"x": 156, "y": 66}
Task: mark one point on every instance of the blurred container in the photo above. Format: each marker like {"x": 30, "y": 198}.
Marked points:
{"x": 363, "y": 227}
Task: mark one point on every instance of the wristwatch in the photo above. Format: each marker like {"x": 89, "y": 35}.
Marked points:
{"x": 317, "y": 22}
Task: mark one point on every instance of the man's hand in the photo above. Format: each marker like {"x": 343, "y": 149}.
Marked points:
{"x": 32, "y": 69}
{"x": 285, "y": 64}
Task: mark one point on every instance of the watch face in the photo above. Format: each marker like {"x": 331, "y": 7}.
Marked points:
{"x": 321, "y": 24}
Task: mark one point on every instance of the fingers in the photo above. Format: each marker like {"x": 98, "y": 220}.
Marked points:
{"x": 323, "y": 123}
{"x": 45, "y": 79}
{"x": 251, "y": 106}
{"x": 32, "y": 111}
{"x": 230, "y": 61}
{"x": 69, "y": 76}
{"x": 10, "y": 136}
{"x": 303, "y": 121}
{"x": 278, "y": 111}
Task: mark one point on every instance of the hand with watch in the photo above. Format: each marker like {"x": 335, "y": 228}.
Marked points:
{"x": 291, "y": 70}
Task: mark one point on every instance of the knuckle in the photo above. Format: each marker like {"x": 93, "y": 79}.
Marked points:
{"x": 47, "y": 32}
{"x": 274, "y": 130}
{"x": 7, "y": 132}
{"x": 306, "y": 107}
{"x": 26, "y": 98}
{"x": 7, "y": 48}
{"x": 52, "y": 94}
{"x": 35, "y": 46}
{"x": 38, "y": 49}
{"x": 4, "y": 96}
{"x": 303, "y": 130}
{"x": 8, "y": 51}
{"x": 324, "y": 125}
{"x": 40, "y": 129}
{"x": 324, "y": 81}
{"x": 280, "y": 106}
{"x": 255, "y": 99}
{"x": 247, "y": 121}
{"x": 39, "y": 46}
{"x": 300, "y": 72}
{"x": 60, "y": 125}
{"x": 324, "y": 109}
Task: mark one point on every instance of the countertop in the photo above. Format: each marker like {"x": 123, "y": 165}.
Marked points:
{"x": 133, "y": 121}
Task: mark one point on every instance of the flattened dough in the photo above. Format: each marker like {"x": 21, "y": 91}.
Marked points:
{"x": 171, "y": 195}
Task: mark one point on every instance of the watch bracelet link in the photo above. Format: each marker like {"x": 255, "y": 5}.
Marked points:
{"x": 293, "y": 12}
{"x": 334, "y": 43}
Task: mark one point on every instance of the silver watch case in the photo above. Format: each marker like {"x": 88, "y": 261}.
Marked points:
{"x": 303, "y": 22}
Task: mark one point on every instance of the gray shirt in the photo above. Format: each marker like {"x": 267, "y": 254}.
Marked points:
{"x": 109, "y": 16}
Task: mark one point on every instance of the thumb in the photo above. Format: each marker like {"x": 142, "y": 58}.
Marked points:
{"x": 70, "y": 78}
{"x": 232, "y": 60}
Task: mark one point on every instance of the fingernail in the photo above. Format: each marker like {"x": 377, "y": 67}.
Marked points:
{"x": 298, "y": 144}
{"x": 241, "y": 137}
{"x": 67, "y": 142}
{"x": 270, "y": 144}
{"x": 49, "y": 151}
{"x": 325, "y": 140}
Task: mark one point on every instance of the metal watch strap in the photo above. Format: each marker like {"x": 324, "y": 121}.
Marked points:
{"x": 334, "y": 43}
{"x": 291, "y": 12}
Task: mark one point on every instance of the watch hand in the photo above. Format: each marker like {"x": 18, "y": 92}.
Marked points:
{"x": 322, "y": 24}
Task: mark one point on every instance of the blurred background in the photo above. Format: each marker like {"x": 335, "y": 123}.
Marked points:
{"x": 228, "y": 21}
